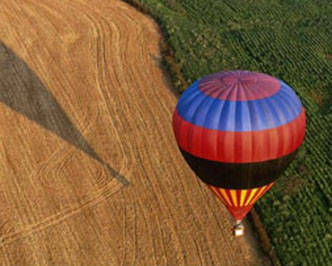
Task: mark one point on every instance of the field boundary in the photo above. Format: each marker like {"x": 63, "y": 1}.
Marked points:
{"x": 168, "y": 62}
{"x": 263, "y": 237}
{"x": 175, "y": 74}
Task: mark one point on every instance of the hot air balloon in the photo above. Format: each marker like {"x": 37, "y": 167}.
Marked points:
{"x": 238, "y": 131}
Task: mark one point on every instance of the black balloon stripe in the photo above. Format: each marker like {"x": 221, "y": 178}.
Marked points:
{"x": 238, "y": 175}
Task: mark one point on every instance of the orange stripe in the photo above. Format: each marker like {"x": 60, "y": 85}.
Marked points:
{"x": 224, "y": 195}
{"x": 216, "y": 191}
{"x": 228, "y": 192}
{"x": 266, "y": 189}
{"x": 242, "y": 197}
{"x": 260, "y": 192}
{"x": 252, "y": 193}
{"x": 269, "y": 186}
{"x": 234, "y": 196}
{"x": 221, "y": 197}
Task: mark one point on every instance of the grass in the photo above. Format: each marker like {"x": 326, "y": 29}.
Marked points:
{"x": 289, "y": 39}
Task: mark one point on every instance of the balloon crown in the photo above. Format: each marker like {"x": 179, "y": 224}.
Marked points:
{"x": 239, "y": 85}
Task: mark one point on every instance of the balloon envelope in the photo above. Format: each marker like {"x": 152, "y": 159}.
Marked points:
{"x": 238, "y": 131}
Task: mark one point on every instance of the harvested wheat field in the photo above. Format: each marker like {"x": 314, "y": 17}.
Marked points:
{"x": 90, "y": 173}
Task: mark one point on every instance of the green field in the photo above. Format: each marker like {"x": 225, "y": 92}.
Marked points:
{"x": 292, "y": 40}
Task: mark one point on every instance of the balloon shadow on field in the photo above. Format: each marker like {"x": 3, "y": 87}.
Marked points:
{"x": 23, "y": 92}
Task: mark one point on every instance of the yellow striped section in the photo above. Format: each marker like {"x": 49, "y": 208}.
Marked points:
{"x": 258, "y": 194}
{"x": 243, "y": 195}
{"x": 226, "y": 197}
{"x": 234, "y": 198}
{"x": 252, "y": 193}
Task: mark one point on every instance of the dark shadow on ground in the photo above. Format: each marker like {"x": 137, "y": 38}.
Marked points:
{"x": 23, "y": 92}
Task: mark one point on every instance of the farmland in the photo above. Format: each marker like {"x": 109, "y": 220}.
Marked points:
{"x": 89, "y": 175}
{"x": 291, "y": 40}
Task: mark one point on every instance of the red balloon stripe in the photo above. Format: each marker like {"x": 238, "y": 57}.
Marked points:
{"x": 239, "y": 147}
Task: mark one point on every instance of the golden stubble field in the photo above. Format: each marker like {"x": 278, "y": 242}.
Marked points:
{"x": 89, "y": 170}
